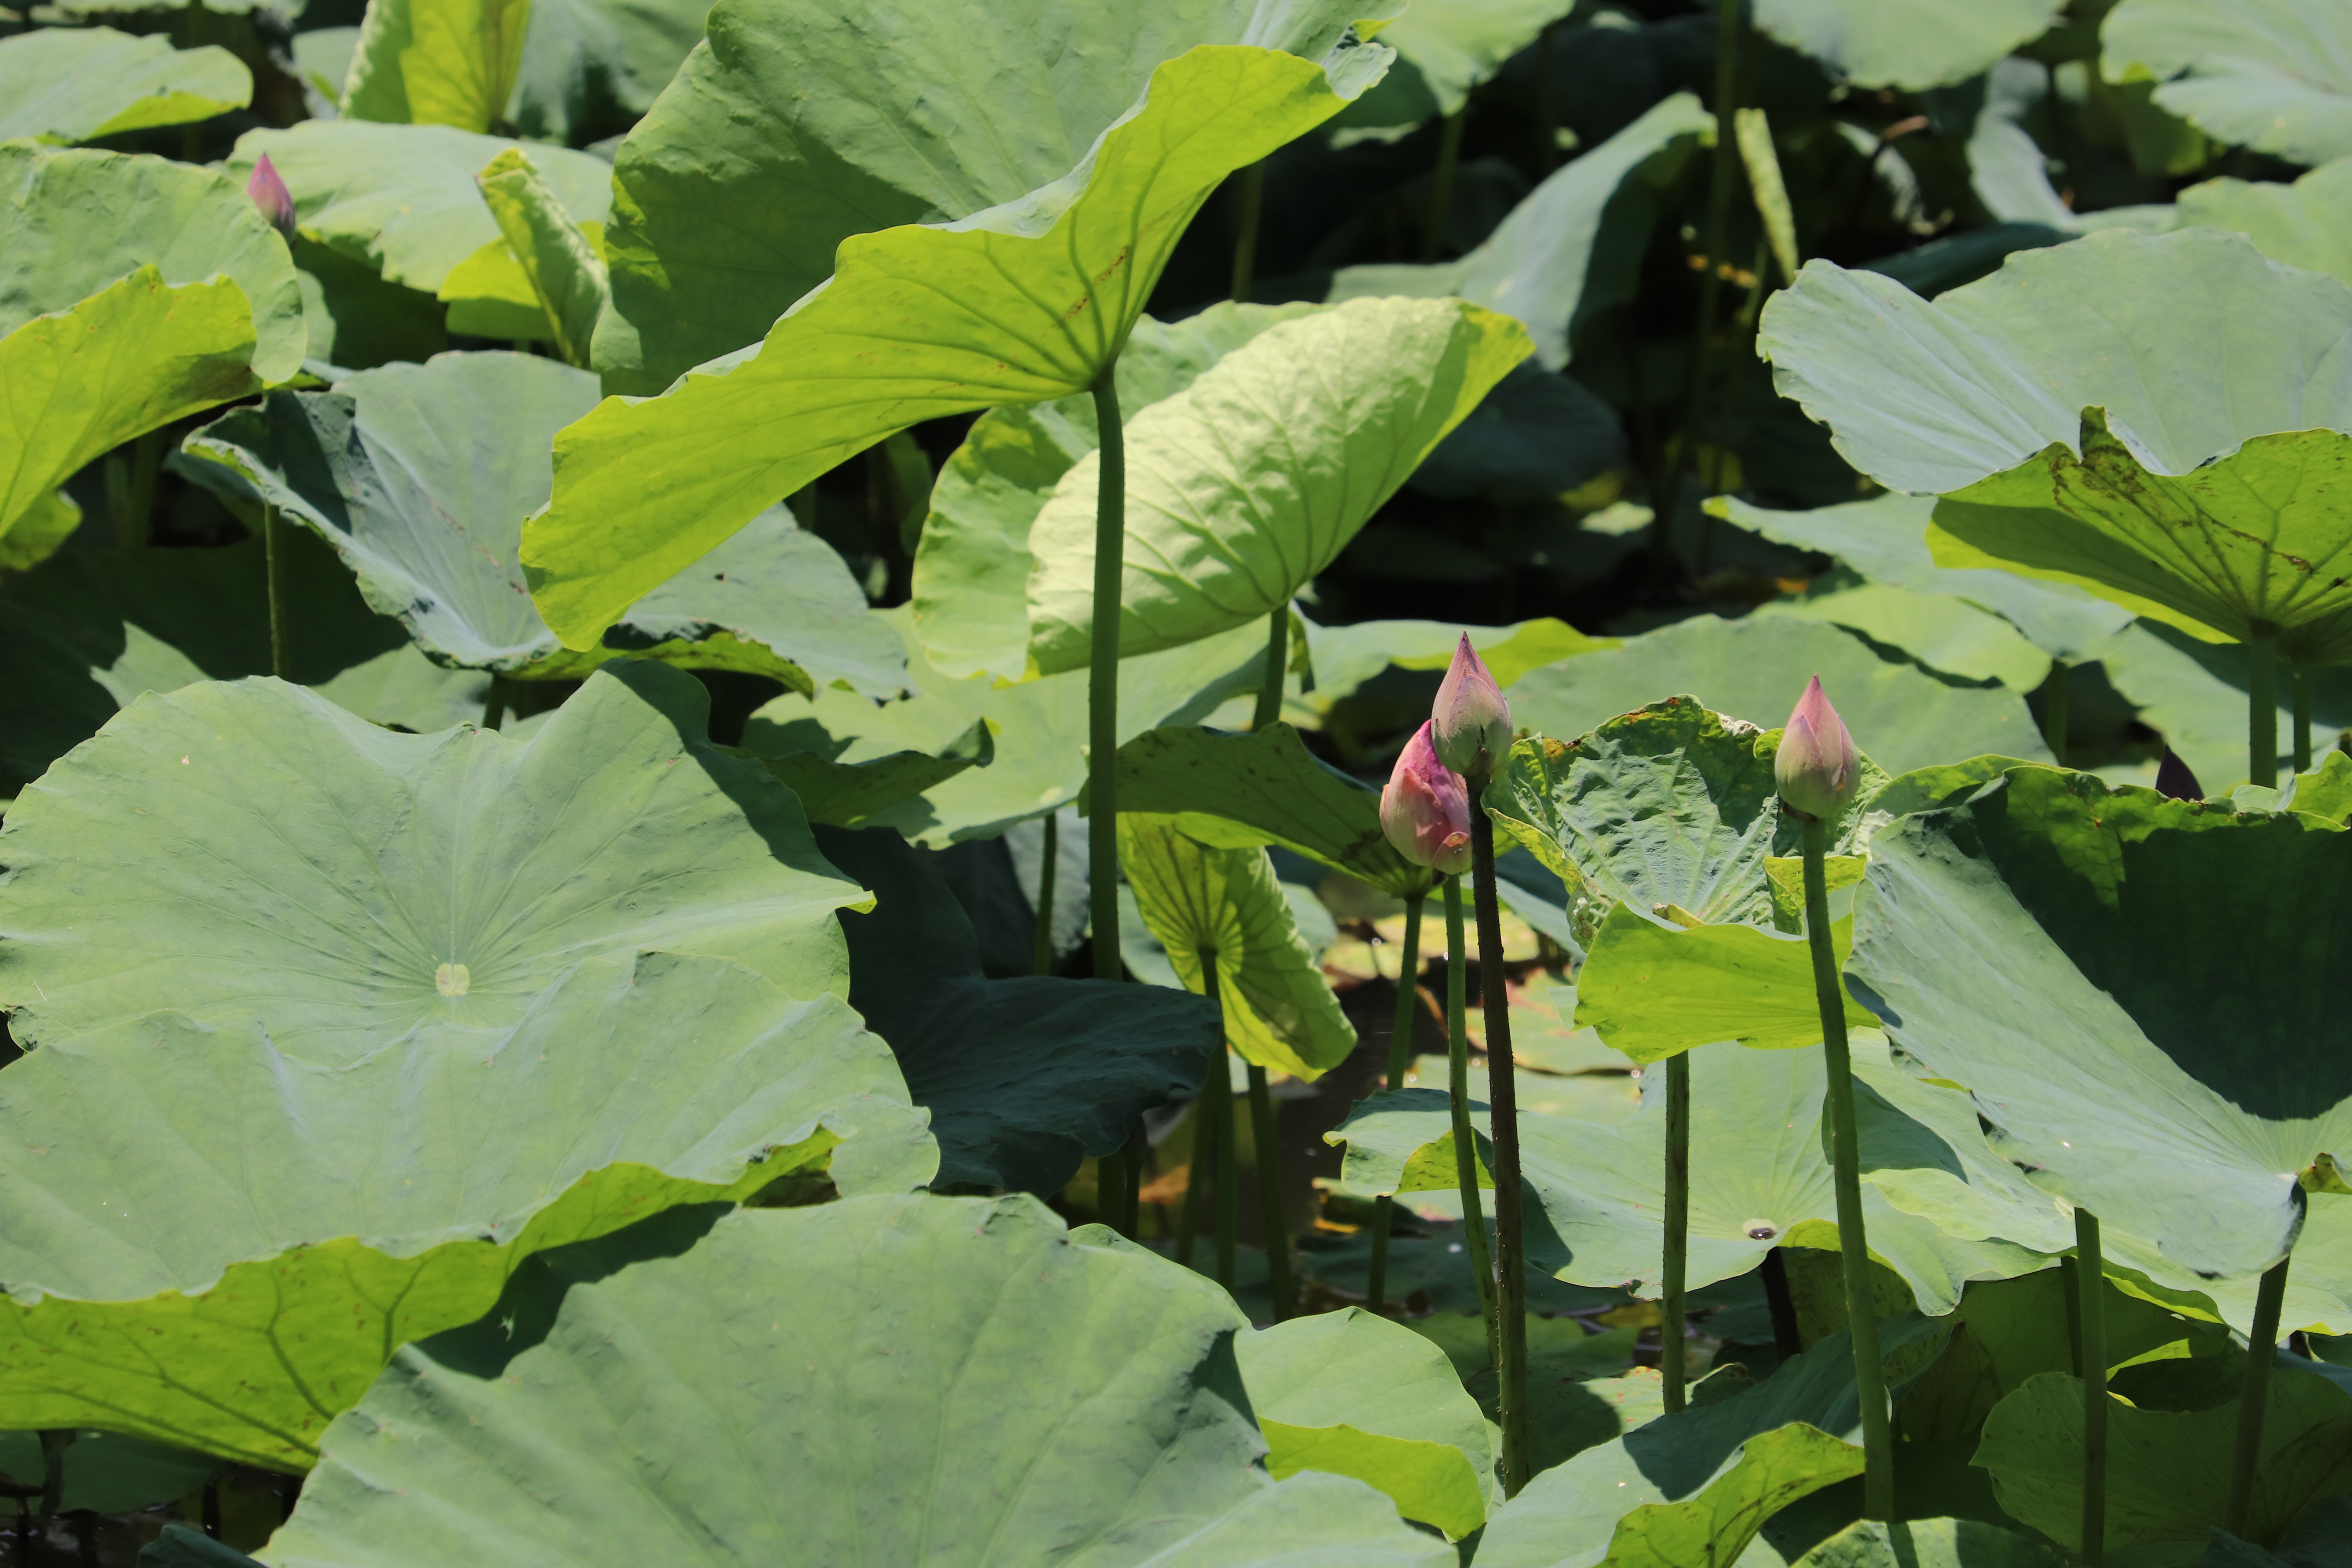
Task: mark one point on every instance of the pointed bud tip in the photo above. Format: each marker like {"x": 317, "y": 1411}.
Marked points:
{"x": 268, "y": 192}
{"x": 1817, "y": 766}
{"x": 1470, "y": 718}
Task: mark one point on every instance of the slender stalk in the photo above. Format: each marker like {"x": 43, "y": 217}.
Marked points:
{"x": 1441, "y": 185}
{"x": 1138, "y": 1150}
{"x": 274, "y": 570}
{"x": 1249, "y": 204}
{"x": 1547, "y": 106}
{"x": 1221, "y": 1123}
{"x": 1102, "y": 679}
{"x": 1400, "y": 1063}
{"x": 2261, "y": 1348}
{"x": 1671, "y": 1315}
{"x": 1503, "y": 1100}
{"x": 1854, "y": 1245}
{"x": 1205, "y": 1127}
{"x": 1787, "y": 1340}
{"x": 2069, "y": 1278}
{"x": 2091, "y": 1293}
{"x": 2262, "y": 709}
{"x": 1278, "y": 664}
{"x": 131, "y": 490}
{"x": 2299, "y": 682}
{"x": 1049, "y": 854}
{"x": 494, "y": 705}
{"x": 2054, "y": 706}
{"x": 1269, "y": 1192}
{"x": 1458, "y": 1084}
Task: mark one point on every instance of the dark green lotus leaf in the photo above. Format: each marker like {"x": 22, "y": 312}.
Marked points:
{"x": 214, "y": 1243}
{"x": 2172, "y": 1076}
{"x": 1443, "y": 52}
{"x": 421, "y": 477}
{"x": 1907, "y": 44}
{"x": 1756, "y": 670}
{"x": 844, "y": 794}
{"x": 2194, "y": 693}
{"x": 2264, "y": 73}
{"x": 1774, "y": 1469}
{"x": 884, "y": 1381}
{"x": 1023, "y": 1078}
{"x": 355, "y": 320}
{"x": 1539, "y": 433}
{"x": 1928, "y": 1543}
{"x": 107, "y": 1472}
{"x": 2319, "y": 1539}
{"x": 76, "y": 84}
{"x": 252, "y": 848}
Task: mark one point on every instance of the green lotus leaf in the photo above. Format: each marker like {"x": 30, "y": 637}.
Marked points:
{"x": 1244, "y": 486}
{"x": 74, "y": 221}
{"x": 437, "y": 62}
{"x": 216, "y": 1245}
{"x": 1354, "y": 1394}
{"x": 1907, "y": 44}
{"x": 1655, "y": 991}
{"x": 2081, "y": 429}
{"x": 1020, "y": 303}
{"x": 2264, "y": 73}
{"x": 1040, "y": 728}
{"x": 563, "y": 266}
{"x": 591, "y": 68}
{"x": 355, "y": 320}
{"x": 1238, "y": 791}
{"x": 2170, "y": 1076}
{"x": 1885, "y": 539}
{"x": 265, "y": 852}
{"x": 1774, "y": 1469}
{"x": 880, "y": 1381}
{"x": 2317, "y": 1539}
{"x": 1023, "y": 1078}
{"x": 1279, "y": 1010}
{"x": 973, "y": 563}
{"x": 1571, "y": 249}
{"x": 1443, "y": 52}
{"x": 106, "y": 1472}
{"x": 2325, "y": 791}
{"x": 1948, "y": 636}
{"x": 1928, "y": 1543}
{"x": 2194, "y": 693}
{"x": 2307, "y": 224}
{"x": 1756, "y": 668}
{"x": 1537, "y": 434}
{"x": 130, "y": 358}
{"x": 179, "y": 1546}
{"x": 2167, "y": 1471}
{"x": 421, "y": 476}
{"x": 845, "y": 794}
{"x": 76, "y": 84}
{"x": 402, "y": 198}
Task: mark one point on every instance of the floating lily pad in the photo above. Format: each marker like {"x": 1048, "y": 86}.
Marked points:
{"x": 76, "y": 84}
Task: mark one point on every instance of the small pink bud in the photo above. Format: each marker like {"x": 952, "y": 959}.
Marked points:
{"x": 271, "y": 194}
{"x": 1471, "y": 723}
{"x": 1817, "y": 766}
{"x": 1425, "y": 809}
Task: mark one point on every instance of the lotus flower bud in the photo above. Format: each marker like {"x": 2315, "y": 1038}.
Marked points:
{"x": 1425, "y": 809}
{"x": 1817, "y": 766}
{"x": 1472, "y": 724}
{"x": 2174, "y": 779}
{"x": 271, "y": 194}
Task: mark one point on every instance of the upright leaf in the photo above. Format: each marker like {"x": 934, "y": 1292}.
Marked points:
{"x": 437, "y": 62}
{"x": 565, "y": 271}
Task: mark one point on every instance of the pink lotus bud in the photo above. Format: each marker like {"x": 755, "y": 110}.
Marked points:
{"x": 1425, "y": 809}
{"x": 1471, "y": 723}
{"x": 271, "y": 194}
{"x": 1817, "y": 766}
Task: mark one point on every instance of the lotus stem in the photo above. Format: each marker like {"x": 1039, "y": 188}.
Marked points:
{"x": 1249, "y": 204}
{"x": 2253, "y": 1396}
{"x": 2090, "y": 1283}
{"x": 1788, "y": 1339}
{"x": 1102, "y": 679}
{"x": 1400, "y": 1063}
{"x": 1671, "y": 1315}
{"x": 494, "y": 703}
{"x": 1853, "y": 1244}
{"x": 2054, "y": 715}
{"x": 1502, "y": 1099}
{"x": 1465, "y": 1141}
{"x": 131, "y": 490}
{"x": 2262, "y": 709}
{"x": 1441, "y": 185}
{"x": 1205, "y": 1126}
{"x": 1269, "y": 1192}
{"x": 1049, "y": 855}
{"x": 2299, "y": 683}
{"x": 274, "y": 572}
{"x": 1277, "y": 663}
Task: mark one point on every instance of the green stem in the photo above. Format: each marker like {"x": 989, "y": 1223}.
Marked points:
{"x": 1269, "y": 1191}
{"x": 2071, "y": 1288}
{"x": 274, "y": 569}
{"x": 1441, "y": 185}
{"x": 1400, "y": 1063}
{"x": 1102, "y": 679}
{"x": 2054, "y": 706}
{"x": 2253, "y": 1396}
{"x": 1219, "y": 1091}
{"x": 1671, "y": 1345}
{"x": 1457, "y": 1086}
{"x": 1049, "y": 854}
{"x": 1547, "y": 108}
{"x": 494, "y": 705}
{"x": 1249, "y": 203}
{"x": 2262, "y": 709}
{"x": 1205, "y": 1126}
{"x": 131, "y": 490}
{"x": 1788, "y": 1339}
{"x": 803, "y": 506}
{"x": 1502, "y": 1100}
{"x": 1139, "y": 1149}
{"x": 1278, "y": 664}
{"x": 1853, "y": 1244}
{"x": 2090, "y": 1277}
{"x": 2299, "y": 682}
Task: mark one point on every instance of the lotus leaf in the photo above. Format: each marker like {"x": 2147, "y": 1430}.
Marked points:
{"x": 1654, "y": 991}
{"x": 591, "y": 68}
{"x": 437, "y": 62}
{"x": 960, "y": 1383}
{"x": 2307, "y": 224}
{"x": 77, "y": 84}
{"x": 2172, "y": 1076}
{"x": 1444, "y": 51}
{"x": 2195, "y": 693}
{"x": 844, "y": 794}
{"x": 563, "y": 267}
{"x": 355, "y": 320}
{"x": 1907, "y": 44}
{"x": 1537, "y": 434}
{"x": 1774, "y": 1469}
{"x": 1947, "y": 635}
{"x": 216, "y": 1244}
{"x": 106, "y": 1472}
{"x": 2264, "y": 73}
{"x": 250, "y": 847}
{"x": 1928, "y": 1543}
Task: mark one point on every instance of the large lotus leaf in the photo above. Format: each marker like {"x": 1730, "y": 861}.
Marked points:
{"x": 252, "y": 847}
{"x": 2266, "y": 74}
{"x": 1022, "y": 303}
{"x": 2167, "y": 1471}
{"x": 972, "y": 566}
{"x": 1443, "y": 52}
{"x": 1654, "y": 989}
{"x": 591, "y": 68}
{"x": 421, "y": 475}
{"x": 1948, "y": 636}
{"x": 883, "y": 1380}
{"x": 355, "y": 320}
{"x": 1357, "y": 1395}
{"x": 74, "y": 220}
{"x": 437, "y": 62}
{"x": 1907, "y": 44}
{"x": 1277, "y": 1009}
{"x": 2172, "y": 1076}
{"x": 1040, "y": 728}
{"x": 1774, "y": 1469}
{"x": 106, "y": 1472}
{"x": 1571, "y": 249}
{"x": 2194, "y": 693}
{"x": 1537, "y": 434}
{"x": 1928, "y": 1543}
{"x": 402, "y": 198}
{"x": 2307, "y": 224}
{"x": 847, "y": 794}
{"x": 1023, "y": 1078}
{"x": 1235, "y": 792}
{"x": 1885, "y": 539}
{"x": 1756, "y": 668}
{"x": 1344, "y": 657}
{"x": 214, "y": 1243}
{"x": 76, "y": 84}
{"x": 130, "y": 359}
{"x": 1244, "y": 486}
{"x": 563, "y": 265}
{"x": 801, "y": 123}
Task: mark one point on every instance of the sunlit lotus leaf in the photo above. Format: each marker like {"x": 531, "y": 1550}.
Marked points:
{"x": 1907, "y": 44}
{"x": 76, "y": 84}
{"x": 2271, "y": 75}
